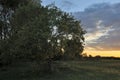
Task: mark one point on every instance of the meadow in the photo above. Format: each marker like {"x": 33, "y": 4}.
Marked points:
{"x": 64, "y": 70}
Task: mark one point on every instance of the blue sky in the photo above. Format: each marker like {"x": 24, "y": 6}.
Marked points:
{"x": 100, "y": 18}
{"x": 76, "y": 5}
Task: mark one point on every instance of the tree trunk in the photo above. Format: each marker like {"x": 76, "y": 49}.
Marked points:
{"x": 50, "y": 67}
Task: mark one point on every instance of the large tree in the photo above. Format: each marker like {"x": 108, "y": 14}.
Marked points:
{"x": 41, "y": 33}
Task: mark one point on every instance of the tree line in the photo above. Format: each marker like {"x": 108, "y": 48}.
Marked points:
{"x": 29, "y": 30}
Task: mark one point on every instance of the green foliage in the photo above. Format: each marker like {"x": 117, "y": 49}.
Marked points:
{"x": 7, "y": 45}
{"x": 5, "y": 48}
{"x": 31, "y": 32}
{"x": 13, "y": 4}
{"x": 41, "y": 33}
{"x": 7, "y": 8}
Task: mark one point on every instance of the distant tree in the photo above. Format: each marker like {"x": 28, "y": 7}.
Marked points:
{"x": 97, "y": 57}
{"x": 90, "y": 56}
{"x": 84, "y": 55}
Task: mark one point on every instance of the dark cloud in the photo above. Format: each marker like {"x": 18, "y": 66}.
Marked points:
{"x": 102, "y": 22}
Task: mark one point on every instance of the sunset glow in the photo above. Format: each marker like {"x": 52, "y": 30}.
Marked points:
{"x": 103, "y": 53}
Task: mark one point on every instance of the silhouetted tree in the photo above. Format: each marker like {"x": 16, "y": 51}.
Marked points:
{"x": 40, "y": 33}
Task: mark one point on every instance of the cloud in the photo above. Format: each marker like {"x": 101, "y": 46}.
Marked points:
{"x": 102, "y": 22}
{"x": 99, "y": 31}
{"x": 64, "y": 5}
{"x": 67, "y": 5}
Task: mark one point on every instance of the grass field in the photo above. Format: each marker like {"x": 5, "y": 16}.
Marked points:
{"x": 64, "y": 70}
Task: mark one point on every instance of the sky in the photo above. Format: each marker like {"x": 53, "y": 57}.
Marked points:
{"x": 101, "y": 20}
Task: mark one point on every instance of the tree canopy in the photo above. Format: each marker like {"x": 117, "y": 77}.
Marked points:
{"x": 38, "y": 32}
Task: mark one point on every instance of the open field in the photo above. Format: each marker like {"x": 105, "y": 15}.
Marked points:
{"x": 64, "y": 70}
